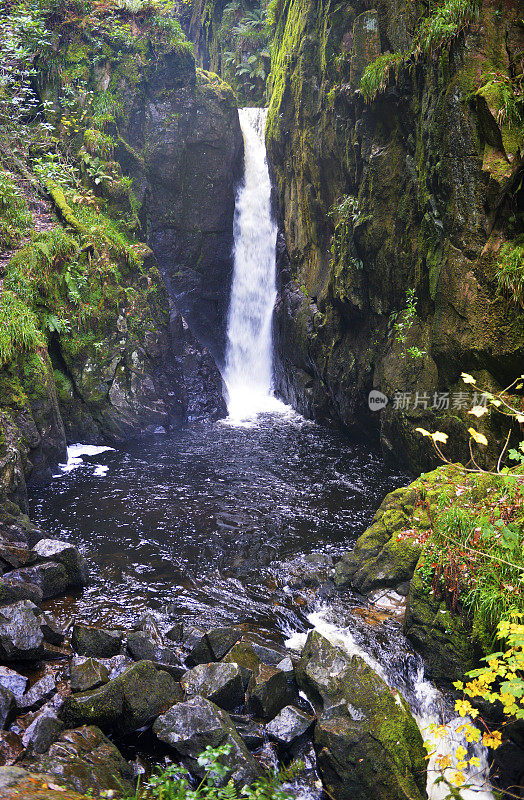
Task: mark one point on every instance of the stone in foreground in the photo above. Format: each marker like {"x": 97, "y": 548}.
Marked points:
{"x": 220, "y": 683}
{"x": 191, "y": 727}
{"x": 289, "y": 726}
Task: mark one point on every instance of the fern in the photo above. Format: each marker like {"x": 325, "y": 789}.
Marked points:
{"x": 376, "y": 76}
{"x": 19, "y": 330}
{"x": 510, "y": 271}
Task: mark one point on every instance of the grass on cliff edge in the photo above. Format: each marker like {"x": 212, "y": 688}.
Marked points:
{"x": 472, "y": 554}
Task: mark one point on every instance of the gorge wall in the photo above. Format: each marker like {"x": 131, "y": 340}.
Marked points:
{"x": 417, "y": 189}
{"x": 134, "y": 193}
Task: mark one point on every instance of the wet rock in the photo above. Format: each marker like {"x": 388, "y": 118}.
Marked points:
{"x": 50, "y": 577}
{"x": 311, "y": 571}
{"x": 86, "y": 760}
{"x": 64, "y": 553}
{"x": 147, "y": 624}
{"x": 268, "y": 691}
{"x": 87, "y": 673}
{"x": 7, "y": 705}
{"x": 11, "y": 747}
{"x": 37, "y": 695}
{"x": 17, "y": 783}
{"x": 176, "y": 632}
{"x": 88, "y": 640}
{"x": 13, "y": 556}
{"x": 116, "y": 665}
{"x": 221, "y": 640}
{"x": 209, "y": 646}
{"x": 126, "y": 703}
{"x": 42, "y": 732}
{"x": 51, "y": 629}
{"x": 220, "y": 683}
{"x": 21, "y": 635}
{"x": 289, "y": 726}
{"x": 11, "y": 591}
{"x": 366, "y": 740}
{"x": 192, "y": 726}
{"x": 142, "y": 647}
{"x": 11, "y": 680}
{"x": 249, "y": 731}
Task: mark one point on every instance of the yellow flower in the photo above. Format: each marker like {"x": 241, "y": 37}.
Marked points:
{"x": 474, "y": 761}
{"x": 458, "y": 778}
{"x": 460, "y": 752}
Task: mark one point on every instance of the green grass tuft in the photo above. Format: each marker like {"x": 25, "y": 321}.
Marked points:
{"x": 510, "y": 272}
{"x": 19, "y": 330}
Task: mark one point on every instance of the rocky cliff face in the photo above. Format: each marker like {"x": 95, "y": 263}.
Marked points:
{"x": 94, "y": 347}
{"x": 395, "y": 210}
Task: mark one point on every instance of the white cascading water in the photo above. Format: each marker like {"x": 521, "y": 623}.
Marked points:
{"x": 426, "y": 705}
{"x": 249, "y": 353}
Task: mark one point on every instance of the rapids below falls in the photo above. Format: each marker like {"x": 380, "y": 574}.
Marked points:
{"x": 211, "y": 523}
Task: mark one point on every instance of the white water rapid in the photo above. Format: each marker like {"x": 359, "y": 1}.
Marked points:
{"x": 249, "y": 353}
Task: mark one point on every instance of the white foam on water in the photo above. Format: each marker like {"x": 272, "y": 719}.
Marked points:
{"x": 75, "y": 460}
{"x": 428, "y": 712}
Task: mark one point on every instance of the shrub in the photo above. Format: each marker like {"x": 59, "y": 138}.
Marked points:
{"x": 15, "y": 218}
{"x": 18, "y": 328}
{"x": 510, "y": 271}
{"x": 376, "y": 76}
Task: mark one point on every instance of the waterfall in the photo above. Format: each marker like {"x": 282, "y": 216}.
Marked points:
{"x": 249, "y": 352}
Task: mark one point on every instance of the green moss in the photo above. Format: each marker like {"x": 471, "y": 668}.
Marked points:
{"x": 19, "y": 331}
{"x": 376, "y": 76}
{"x": 15, "y": 218}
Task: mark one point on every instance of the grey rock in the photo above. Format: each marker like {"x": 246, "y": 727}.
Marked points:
{"x": 289, "y": 725}
{"x": 39, "y": 693}
{"x": 64, "y": 553}
{"x": 50, "y": 577}
{"x": 221, "y": 640}
{"x": 12, "y": 591}
{"x": 220, "y": 683}
{"x": 51, "y": 629}
{"x": 251, "y": 733}
{"x": 86, "y": 760}
{"x": 7, "y": 705}
{"x": 147, "y": 624}
{"x": 88, "y": 640}
{"x": 198, "y": 647}
{"x": 21, "y": 637}
{"x": 13, "y": 681}
{"x": 131, "y": 701}
{"x": 42, "y": 732}
{"x": 141, "y": 647}
{"x": 268, "y": 691}
{"x": 87, "y": 673}
{"x": 192, "y": 726}
{"x": 176, "y": 632}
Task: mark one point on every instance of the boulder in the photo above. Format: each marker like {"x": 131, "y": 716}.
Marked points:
{"x": 7, "y": 705}
{"x": 448, "y": 648}
{"x": 131, "y": 701}
{"x": 51, "y": 629}
{"x": 17, "y": 783}
{"x": 367, "y": 742}
{"x": 220, "y": 683}
{"x": 39, "y": 692}
{"x": 23, "y": 634}
{"x": 11, "y": 591}
{"x": 142, "y": 647}
{"x": 42, "y": 732}
{"x": 289, "y": 726}
{"x": 192, "y": 726}
{"x": 88, "y": 640}
{"x": 176, "y": 632}
{"x": 11, "y": 747}
{"x": 251, "y": 733}
{"x": 86, "y": 760}
{"x": 64, "y": 553}
{"x": 50, "y": 577}
{"x": 209, "y": 646}
{"x": 87, "y": 673}
{"x": 147, "y": 624}
{"x": 11, "y": 680}
{"x": 268, "y": 691}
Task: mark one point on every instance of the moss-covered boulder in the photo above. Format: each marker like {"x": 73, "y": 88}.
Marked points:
{"x": 128, "y": 702}
{"x": 449, "y": 647}
{"x": 16, "y": 782}
{"x": 366, "y": 740}
{"x": 85, "y": 760}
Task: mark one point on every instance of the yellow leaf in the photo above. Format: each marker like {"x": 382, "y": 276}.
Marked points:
{"x": 478, "y": 411}
{"x": 467, "y": 378}
{"x": 478, "y": 437}
{"x": 423, "y": 432}
{"x": 438, "y": 436}
{"x": 520, "y": 418}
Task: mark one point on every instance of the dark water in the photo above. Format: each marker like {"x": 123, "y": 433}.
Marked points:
{"x": 200, "y": 523}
